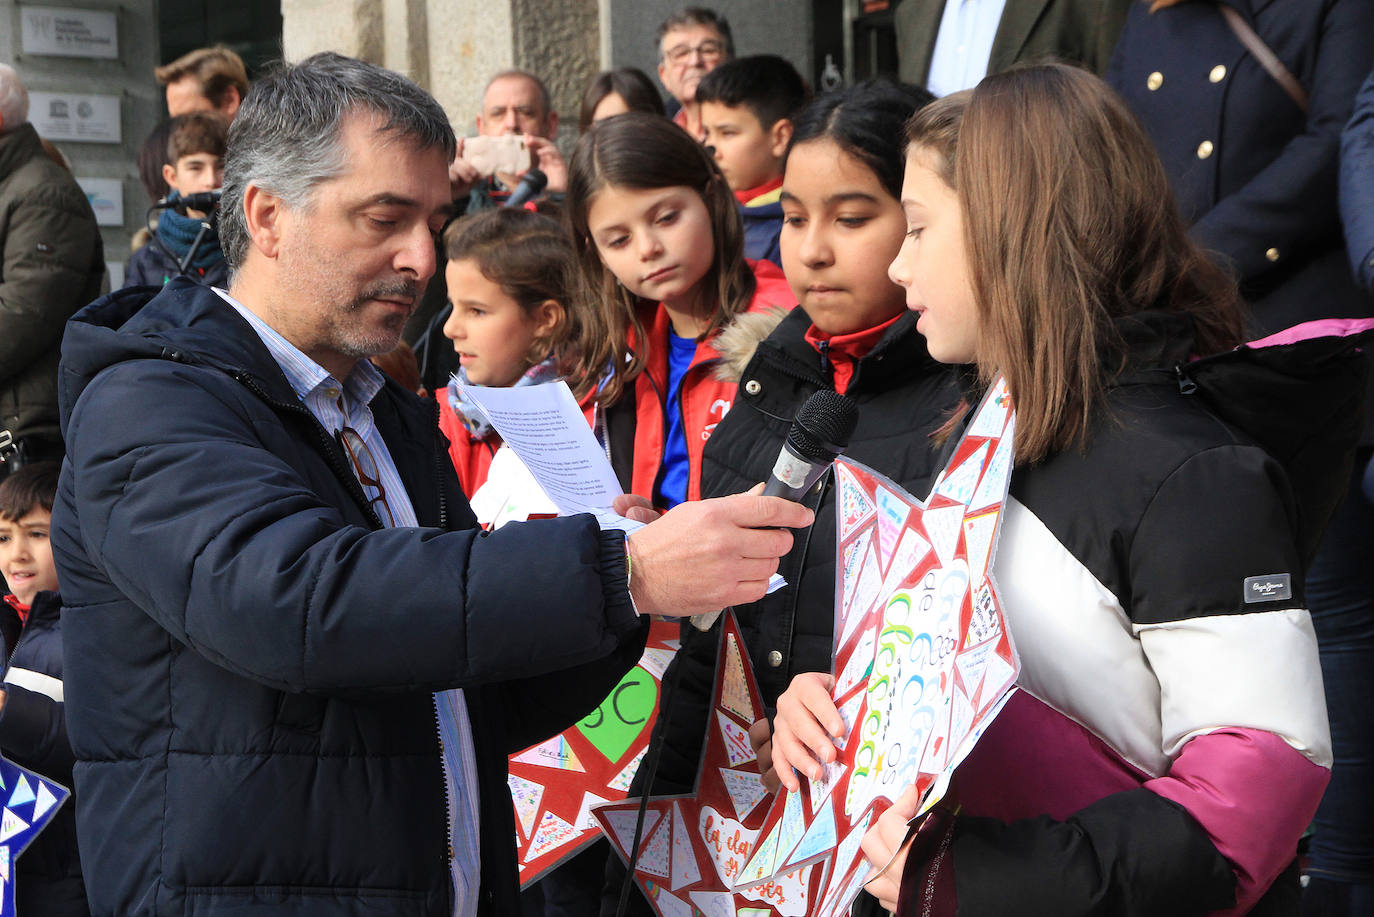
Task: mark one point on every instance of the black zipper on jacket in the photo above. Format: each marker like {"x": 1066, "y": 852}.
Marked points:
{"x": 328, "y": 445}
{"x": 827, "y": 366}
{"x": 18, "y": 642}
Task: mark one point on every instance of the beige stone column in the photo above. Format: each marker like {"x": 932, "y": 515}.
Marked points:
{"x": 405, "y": 38}
{"x": 469, "y": 40}
{"x": 562, "y": 43}
{"x": 353, "y": 27}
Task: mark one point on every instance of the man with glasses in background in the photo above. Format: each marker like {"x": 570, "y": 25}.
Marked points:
{"x": 691, "y": 43}
{"x": 295, "y": 667}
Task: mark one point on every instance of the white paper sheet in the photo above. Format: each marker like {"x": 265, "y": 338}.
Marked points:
{"x": 544, "y": 426}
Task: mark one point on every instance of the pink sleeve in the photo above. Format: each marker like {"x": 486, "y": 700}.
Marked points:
{"x": 1254, "y": 794}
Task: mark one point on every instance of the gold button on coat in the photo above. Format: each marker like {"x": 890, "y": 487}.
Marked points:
{"x": 775, "y": 659}
{"x": 1272, "y": 254}
{"x": 1218, "y": 73}
{"x": 1204, "y": 149}
{"x": 1154, "y": 81}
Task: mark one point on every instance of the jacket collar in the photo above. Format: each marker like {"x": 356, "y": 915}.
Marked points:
{"x": 184, "y": 321}
{"x": 657, "y": 323}
{"x": 1155, "y": 343}
{"x": 1018, "y": 21}
{"x": 190, "y": 323}
{"x": 900, "y": 350}
{"x": 19, "y": 607}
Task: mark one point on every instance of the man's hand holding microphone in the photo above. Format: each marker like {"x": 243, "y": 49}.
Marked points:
{"x": 706, "y": 555}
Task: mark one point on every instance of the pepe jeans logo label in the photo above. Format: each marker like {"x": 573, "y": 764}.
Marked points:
{"x": 1270, "y": 588}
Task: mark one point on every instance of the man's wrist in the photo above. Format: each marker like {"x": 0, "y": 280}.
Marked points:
{"x": 629, "y": 576}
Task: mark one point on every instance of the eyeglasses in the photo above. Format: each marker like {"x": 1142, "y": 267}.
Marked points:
{"x": 709, "y": 50}
{"x": 365, "y": 466}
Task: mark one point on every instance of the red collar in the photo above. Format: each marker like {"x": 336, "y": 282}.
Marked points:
{"x": 19, "y": 607}
{"x": 844, "y": 351}
{"x": 746, "y": 196}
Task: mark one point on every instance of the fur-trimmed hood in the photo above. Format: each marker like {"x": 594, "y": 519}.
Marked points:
{"x": 738, "y": 340}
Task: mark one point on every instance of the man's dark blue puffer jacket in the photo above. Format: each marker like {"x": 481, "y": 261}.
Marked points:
{"x": 249, "y": 656}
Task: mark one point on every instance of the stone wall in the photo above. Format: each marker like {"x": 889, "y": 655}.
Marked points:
{"x": 452, "y": 47}
{"x": 129, "y": 78}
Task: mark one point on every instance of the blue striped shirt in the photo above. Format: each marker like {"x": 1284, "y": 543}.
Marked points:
{"x": 337, "y": 405}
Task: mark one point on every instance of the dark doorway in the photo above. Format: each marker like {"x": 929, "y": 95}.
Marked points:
{"x": 251, "y": 28}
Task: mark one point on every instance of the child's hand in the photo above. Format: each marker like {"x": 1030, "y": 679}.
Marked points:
{"x": 761, "y": 739}
{"x": 889, "y": 835}
{"x": 633, "y": 506}
{"x": 803, "y": 729}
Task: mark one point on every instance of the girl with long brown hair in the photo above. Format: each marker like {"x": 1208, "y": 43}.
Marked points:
{"x": 661, "y": 246}
{"x": 1168, "y": 741}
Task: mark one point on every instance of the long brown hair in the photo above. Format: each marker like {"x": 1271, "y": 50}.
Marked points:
{"x": 1069, "y": 224}
{"x": 531, "y": 258}
{"x": 641, "y": 151}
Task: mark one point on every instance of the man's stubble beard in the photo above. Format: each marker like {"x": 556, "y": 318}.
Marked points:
{"x": 315, "y": 276}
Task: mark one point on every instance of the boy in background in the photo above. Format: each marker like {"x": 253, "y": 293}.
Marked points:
{"x": 33, "y": 729}
{"x": 195, "y": 157}
{"x": 746, "y": 115}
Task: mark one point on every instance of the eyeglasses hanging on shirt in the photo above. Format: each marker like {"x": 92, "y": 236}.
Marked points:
{"x": 365, "y": 467}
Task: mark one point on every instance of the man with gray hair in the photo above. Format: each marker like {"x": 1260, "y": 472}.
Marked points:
{"x": 53, "y": 264}
{"x": 691, "y": 43}
{"x": 269, "y": 569}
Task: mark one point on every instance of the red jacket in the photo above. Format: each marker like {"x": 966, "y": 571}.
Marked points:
{"x": 471, "y": 456}
{"x": 704, "y": 399}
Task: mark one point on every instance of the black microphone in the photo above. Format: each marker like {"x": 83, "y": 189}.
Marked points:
{"x": 820, "y": 432}
{"x": 533, "y": 182}
{"x": 202, "y": 200}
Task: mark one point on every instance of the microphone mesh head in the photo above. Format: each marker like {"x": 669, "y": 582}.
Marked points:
{"x": 823, "y": 426}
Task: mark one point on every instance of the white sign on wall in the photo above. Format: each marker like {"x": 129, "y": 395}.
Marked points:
{"x": 107, "y": 199}
{"x": 67, "y": 32}
{"x": 116, "y": 269}
{"x": 75, "y": 117}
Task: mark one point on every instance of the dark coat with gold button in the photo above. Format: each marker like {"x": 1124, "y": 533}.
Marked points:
{"x": 1255, "y": 176}
{"x": 1357, "y": 186}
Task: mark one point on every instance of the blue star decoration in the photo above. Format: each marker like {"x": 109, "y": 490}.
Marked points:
{"x": 29, "y": 803}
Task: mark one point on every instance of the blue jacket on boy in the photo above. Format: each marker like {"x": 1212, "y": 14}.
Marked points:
{"x": 761, "y": 210}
